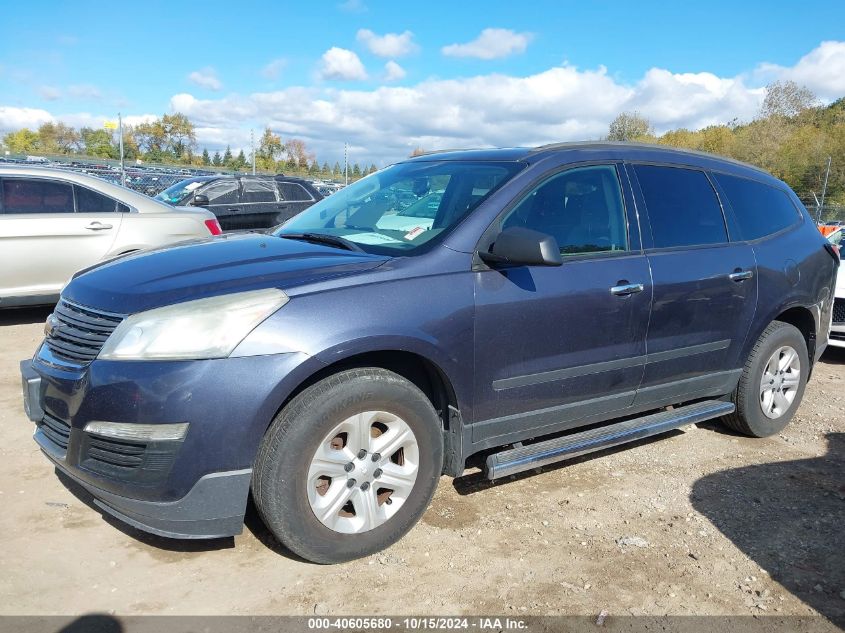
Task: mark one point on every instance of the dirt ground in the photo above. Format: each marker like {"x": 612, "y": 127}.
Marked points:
{"x": 698, "y": 521}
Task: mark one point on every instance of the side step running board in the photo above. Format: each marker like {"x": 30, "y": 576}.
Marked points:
{"x": 516, "y": 460}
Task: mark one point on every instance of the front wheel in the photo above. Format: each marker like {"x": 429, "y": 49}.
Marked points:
{"x": 772, "y": 382}
{"x": 349, "y": 465}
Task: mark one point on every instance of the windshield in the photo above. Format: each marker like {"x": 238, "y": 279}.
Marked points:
{"x": 175, "y": 193}
{"x": 399, "y": 209}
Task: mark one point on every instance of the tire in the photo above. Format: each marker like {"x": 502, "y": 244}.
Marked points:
{"x": 336, "y": 417}
{"x": 762, "y": 413}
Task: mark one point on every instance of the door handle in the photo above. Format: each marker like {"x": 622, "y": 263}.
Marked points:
{"x": 741, "y": 275}
{"x": 625, "y": 289}
{"x": 98, "y": 226}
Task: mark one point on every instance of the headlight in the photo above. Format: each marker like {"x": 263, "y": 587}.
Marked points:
{"x": 205, "y": 328}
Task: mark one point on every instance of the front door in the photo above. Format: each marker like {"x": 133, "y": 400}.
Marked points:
{"x": 705, "y": 287}
{"x": 224, "y": 201}
{"x": 559, "y": 346}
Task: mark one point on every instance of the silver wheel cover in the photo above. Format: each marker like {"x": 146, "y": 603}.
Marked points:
{"x": 779, "y": 384}
{"x": 363, "y": 471}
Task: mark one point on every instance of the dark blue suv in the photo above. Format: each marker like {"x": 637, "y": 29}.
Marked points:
{"x": 557, "y": 301}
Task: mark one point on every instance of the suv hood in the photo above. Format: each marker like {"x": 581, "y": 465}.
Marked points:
{"x": 211, "y": 267}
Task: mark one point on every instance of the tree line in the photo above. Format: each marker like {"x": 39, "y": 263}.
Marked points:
{"x": 791, "y": 137}
{"x": 171, "y": 139}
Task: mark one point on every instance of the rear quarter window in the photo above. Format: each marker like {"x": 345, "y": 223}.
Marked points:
{"x": 293, "y": 192}
{"x": 760, "y": 210}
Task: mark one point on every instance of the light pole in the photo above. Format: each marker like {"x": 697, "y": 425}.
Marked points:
{"x": 120, "y": 135}
{"x": 824, "y": 188}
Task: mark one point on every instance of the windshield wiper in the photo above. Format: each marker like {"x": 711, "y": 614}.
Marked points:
{"x": 322, "y": 238}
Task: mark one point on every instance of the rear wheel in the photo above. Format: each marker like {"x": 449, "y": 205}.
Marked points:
{"x": 772, "y": 383}
{"x": 349, "y": 465}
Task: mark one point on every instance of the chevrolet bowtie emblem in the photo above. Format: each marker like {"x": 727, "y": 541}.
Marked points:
{"x": 51, "y": 326}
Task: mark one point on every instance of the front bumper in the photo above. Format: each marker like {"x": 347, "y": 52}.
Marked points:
{"x": 196, "y": 487}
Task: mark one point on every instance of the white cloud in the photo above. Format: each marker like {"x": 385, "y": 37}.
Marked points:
{"x": 12, "y": 118}
{"x": 389, "y": 44}
{"x": 385, "y": 123}
{"x": 491, "y": 44}
{"x": 206, "y": 78}
{"x": 84, "y": 91}
{"x": 341, "y": 64}
{"x": 822, "y": 70}
{"x": 274, "y": 68}
{"x": 49, "y": 93}
{"x": 393, "y": 71}
{"x": 353, "y": 6}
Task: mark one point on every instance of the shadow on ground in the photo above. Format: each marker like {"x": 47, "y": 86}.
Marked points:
{"x": 24, "y": 316}
{"x": 789, "y": 518}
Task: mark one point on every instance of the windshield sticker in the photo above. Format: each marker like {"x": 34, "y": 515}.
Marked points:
{"x": 372, "y": 238}
{"x": 192, "y": 185}
{"x": 414, "y": 232}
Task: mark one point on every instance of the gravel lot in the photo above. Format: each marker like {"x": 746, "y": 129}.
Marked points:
{"x": 698, "y": 521}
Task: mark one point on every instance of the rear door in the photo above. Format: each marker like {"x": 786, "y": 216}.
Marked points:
{"x": 259, "y": 202}
{"x": 705, "y": 286}
{"x": 557, "y": 345}
{"x": 49, "y": 229}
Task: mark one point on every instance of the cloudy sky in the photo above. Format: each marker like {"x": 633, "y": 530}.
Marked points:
{"x": 387, "y": 77}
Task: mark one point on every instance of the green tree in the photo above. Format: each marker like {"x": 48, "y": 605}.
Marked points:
{"x": 356, "y": 171}
{"x": 217, "y": 160}
{"x": 373, "y": 169}
{"x": 179, "y": 134}
{"x": 150, "y": 138}
{"x": 629, "y": 126}
{"x": 24, "y": 141}
{"x": 227, "y": 157}
{"x": 206, "y": 159}
{"x": 97, "y": 142}
{"x": 337, "y": 172}
{"x": 269, "y": 150}
{"x": 325, "y": 171}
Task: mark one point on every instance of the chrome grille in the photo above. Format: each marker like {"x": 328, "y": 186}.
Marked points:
{"x": 77, "y": 333}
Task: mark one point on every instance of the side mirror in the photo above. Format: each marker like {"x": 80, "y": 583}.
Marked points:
{"x": 199, "y": 200}
{"x": 517, "y": 246}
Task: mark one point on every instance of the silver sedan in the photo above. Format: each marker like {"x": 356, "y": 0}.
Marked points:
{"x": 55, "y": 222}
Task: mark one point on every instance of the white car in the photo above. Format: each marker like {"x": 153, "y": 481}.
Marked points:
{"x": 836, "y": 338}
{"x": 55, "y": 222}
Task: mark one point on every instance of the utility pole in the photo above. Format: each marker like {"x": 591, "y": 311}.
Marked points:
{"x": 120, "y": 134}
{"x": 252, "y": 143}
{"x": 824, "y": 188}
{"x": 346, "y": 163}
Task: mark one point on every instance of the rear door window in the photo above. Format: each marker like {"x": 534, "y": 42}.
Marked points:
{"x": 682, "y": 206}
{"x": 760, "y": 209}
{"x": 222, "y": 192}
{"x": 258, "y": 191}
{"x": 89, "y": 201}
{"x": 36, "y": 196}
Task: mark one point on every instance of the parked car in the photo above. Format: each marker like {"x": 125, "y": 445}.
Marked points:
{"x": 564, "y": 299}
{"x": 837, "y": 329}
{"x": 55, "y": 222}
{"x": 244, "y": 202}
